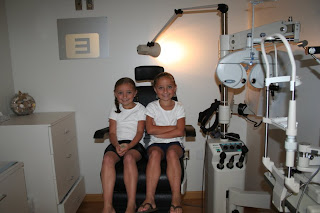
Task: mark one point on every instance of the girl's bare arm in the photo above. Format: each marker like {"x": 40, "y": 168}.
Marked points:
{"x": 177, "y": 132}
{"x": 113, "y": 132}
{"x": 153, "y": 129}
{"x": 139, "y": 135}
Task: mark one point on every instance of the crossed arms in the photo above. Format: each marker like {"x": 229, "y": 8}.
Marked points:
{"x": 165, "y": 131}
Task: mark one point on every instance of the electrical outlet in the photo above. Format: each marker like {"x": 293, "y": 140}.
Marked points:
{"x": 186, "y": 154}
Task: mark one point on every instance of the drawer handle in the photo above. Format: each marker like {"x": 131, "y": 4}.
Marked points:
{"x": 69, "y": 156}
{"x": 3, "y": 197}
{"x": 66, "y": 131}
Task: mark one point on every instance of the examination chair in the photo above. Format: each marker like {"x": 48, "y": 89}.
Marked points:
{"x": 144, "y": 96}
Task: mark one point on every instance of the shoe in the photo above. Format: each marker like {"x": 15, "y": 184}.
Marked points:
{"x": 150, "y": 209}
{"x": 174, "y": 207}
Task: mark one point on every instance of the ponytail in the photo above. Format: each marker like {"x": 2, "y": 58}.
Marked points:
{"x": 116, "y": 102}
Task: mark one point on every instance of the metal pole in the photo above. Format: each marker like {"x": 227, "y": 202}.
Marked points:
{"x": 224, "y": 89}
{"x": 179, "y": 12}
{"x": 266, "y": 125}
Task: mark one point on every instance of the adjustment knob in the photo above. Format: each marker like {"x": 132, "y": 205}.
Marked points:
{"x": 239, "y": 165}
{"x": 220, "y": 166}
{"x": 230, "y": 165}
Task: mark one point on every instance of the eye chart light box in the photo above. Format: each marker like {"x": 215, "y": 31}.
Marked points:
{"x": 83, "y": 38}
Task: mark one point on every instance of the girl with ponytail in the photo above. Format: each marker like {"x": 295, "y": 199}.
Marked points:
{"x": 126, "y": 129}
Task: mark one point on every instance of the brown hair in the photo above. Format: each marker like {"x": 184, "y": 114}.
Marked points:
{"x": 163, "y": 74}
{"x": 121, "y": 81}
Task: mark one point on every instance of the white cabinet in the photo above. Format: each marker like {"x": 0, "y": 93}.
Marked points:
{"x": 13, "y": 194}
{"x": 47, "y": 145}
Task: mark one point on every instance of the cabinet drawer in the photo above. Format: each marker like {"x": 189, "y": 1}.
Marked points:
{"x": 72, "y": 202}
{"x": 13, "y": 196}
{"x": 66, "y": 168}
{"x": 63, "y": 133}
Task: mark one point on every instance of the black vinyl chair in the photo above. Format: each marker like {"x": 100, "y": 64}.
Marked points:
{"x": 144, "y": 96}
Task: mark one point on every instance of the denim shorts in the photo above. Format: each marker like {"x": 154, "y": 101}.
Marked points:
{"x": 164, "y": 147}
{"x": 137, "y": 147}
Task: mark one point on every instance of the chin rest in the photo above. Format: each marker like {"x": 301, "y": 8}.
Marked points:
{"x": 144, "y": 96}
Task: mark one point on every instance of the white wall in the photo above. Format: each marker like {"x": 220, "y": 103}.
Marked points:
{"x": 6, "y": 79}
{"x": 307, "y": 95}
{"x": 85, "y": 86}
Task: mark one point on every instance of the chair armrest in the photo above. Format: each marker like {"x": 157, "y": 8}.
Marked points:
{"x": 99, "y": 134}
{"x": 190, "y": 131}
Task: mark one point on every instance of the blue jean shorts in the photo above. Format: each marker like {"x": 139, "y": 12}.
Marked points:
{"x": 164, "y": 147}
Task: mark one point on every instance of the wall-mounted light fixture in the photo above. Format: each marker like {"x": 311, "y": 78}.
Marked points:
{"x": 153, "y": 49}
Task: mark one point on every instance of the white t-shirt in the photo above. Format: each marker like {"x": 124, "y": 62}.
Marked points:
{"x": 127, "y": 121}
{"x": 163, "y": 117}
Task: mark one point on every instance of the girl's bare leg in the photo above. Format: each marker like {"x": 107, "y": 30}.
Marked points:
{"x": 173, "y": 154}
{"x": 130, "y": 172}
{"x": 152, "y": 176}
{"x": 108, "y": 177}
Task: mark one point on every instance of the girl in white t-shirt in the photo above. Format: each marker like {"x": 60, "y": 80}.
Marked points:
{"x": 165, "y": 122}
{"x": 126, "y": 128}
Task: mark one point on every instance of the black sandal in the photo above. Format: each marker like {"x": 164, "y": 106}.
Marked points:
{"x": 150, "y": 209}
{"x": 174, "y": 207}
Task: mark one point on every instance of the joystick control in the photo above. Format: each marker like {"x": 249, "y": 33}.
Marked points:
{"x": 230, "y": 164}
{"x": 221, "y": 161}
{"x": 243, "y": 155}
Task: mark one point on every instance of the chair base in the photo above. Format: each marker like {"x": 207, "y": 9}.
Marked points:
{"x": 163, "y": 192}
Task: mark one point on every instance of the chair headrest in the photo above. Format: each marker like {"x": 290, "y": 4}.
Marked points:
{"x": 147, "y": 73}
